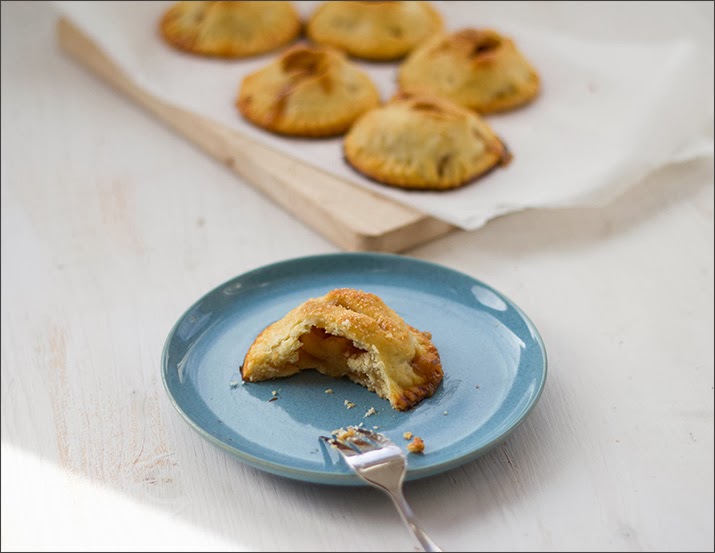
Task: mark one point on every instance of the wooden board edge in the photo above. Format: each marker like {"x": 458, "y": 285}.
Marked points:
{"x": 389, "y": 227}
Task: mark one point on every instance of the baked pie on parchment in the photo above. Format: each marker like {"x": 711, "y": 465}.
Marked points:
{"x": 307, "y": 91}
{"x": 478, "y": 69}
{"x": 423, "y": 142}
{"x": 230, "y": 29}
{"x": 373, "y": 30}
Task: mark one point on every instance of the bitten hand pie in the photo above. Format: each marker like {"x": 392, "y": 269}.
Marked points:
{"x": 478, "y": 69}
{"x": 307, "y": 91}
{"x": 230, "y": 29}
{"x": 423, "y": 142}
{"x": 373, "y": 30}
{"x": 349, "y": 333}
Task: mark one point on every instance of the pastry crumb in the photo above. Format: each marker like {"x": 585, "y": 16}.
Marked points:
{"x": 349, "y": 404}
{"x": 343, "y": 434}
{"x": 446, "y": 412}
{"x": 274, "y": 393}
{"x": 329, "y": 391}
{"x": 369, "y": 412}
{"x": 234, "y": 384}
{"x": 407, "y": 435}
{"x": 416, "y": 445}
{"x": 375, "y": 427}
{"x": 274, "y": 398}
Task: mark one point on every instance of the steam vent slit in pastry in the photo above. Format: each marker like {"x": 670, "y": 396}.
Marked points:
{"x": 310, "y": 91}
{"x": 354, "y": 334}
{"x": 230, "y": 29}
{"x": 478, "y": 69}
{"x": 423, "y": 142}
{"x": 377, "y": 31}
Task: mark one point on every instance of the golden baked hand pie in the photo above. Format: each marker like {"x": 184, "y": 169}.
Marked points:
{"x": 423, "y": 142}
{"x": 373, "y": 30}
{"x": 307, "y": 91}
{"x": 478, "y": 69}
{"x": 349, "y": 333}
{"x": 230, "y": 29}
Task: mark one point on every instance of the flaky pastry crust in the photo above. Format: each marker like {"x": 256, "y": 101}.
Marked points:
{"x": 349, "y": 333}
{"x": 307, "y": 91}
{"x": 423, "y": 142}
{"x": 230, "y": 29}
{"x": 478, "y": 69}
{"x": 373, "y": 30}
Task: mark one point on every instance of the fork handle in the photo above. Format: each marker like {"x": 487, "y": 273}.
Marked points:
{"x": 408, "y": 517}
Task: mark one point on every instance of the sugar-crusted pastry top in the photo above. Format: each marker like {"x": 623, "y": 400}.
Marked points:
{"x": 349, "y": 333}
{"x": 307, "y": 91}
{"x": 423, "y": 142}
{"x": 373, "y": 30}
{"x": 479, "y": 69}
{"x": 230, "y": 29}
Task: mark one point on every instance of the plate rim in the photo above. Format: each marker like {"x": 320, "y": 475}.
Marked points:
{"x": 322, "y": 477}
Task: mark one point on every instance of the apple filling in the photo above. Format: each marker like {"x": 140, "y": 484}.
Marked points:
{"x": 338, "y": 356}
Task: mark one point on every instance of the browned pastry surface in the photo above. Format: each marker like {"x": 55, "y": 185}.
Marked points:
{"x": 423, "y": 142}
{"x": 307, "y": 91}
{"x": 478, "y": 69}
{"x": 374, "y": 30}
{"x": 230, "y": 29}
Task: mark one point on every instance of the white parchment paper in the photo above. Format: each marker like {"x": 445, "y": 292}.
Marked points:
{"x": 609, "y": 112}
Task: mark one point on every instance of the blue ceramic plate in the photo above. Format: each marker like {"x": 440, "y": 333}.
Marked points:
{"x": 493, "y": 358}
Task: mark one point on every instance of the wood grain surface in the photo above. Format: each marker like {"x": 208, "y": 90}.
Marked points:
{"x": 113, "y": 225}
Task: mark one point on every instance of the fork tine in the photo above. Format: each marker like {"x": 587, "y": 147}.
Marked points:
{"x": 361, "y": 439}
{"x": 379, "y": 438}
{"x": 362, "y": 445}
{"x": 354, "y": 443}
{"x": 341, "y": 447}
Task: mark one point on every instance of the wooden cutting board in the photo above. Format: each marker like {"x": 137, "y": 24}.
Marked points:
{"x": 352, "y": 217}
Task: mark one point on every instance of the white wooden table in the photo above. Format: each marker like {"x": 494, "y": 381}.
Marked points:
{"x": 112, "y": 226}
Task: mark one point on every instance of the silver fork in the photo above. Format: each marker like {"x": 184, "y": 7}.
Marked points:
{"x": 382, "y": 464}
